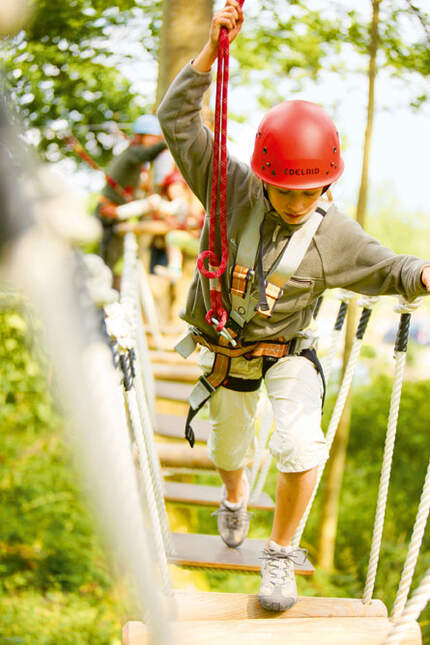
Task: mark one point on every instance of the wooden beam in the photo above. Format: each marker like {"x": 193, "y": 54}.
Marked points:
{"x": 176, "y": 373}
{"x": 174, "y": 391}
{"x": 206, "y": 605}
{"x": 173, "y": 426}
{"x": 209, "y": 551}
{"x": 171, "y": 358}
{"x": 208, "y": 496}
{"x": 180, "y": 455}
{"x": 295, "y": 631}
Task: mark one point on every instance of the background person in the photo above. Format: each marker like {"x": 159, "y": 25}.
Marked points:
{"x": 125, "y": 170}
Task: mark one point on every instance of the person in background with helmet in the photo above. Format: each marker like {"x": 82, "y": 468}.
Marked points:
{"x": 183, "y": 212}
{"x": 287, "y": 244}
{"x": 125, "y": 170}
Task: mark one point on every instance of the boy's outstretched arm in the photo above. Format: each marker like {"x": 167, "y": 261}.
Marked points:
{"x": 230, "y": 17}
{"x": 425, "y": 277}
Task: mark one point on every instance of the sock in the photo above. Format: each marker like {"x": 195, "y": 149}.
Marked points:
{"x": 233, "y": 506}
{"x": 274, "y": 546}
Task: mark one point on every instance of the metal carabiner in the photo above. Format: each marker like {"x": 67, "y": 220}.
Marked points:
{"x": 224, "y": 332}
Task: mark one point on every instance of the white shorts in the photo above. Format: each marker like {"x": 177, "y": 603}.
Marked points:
{"x": 295, "y": 391}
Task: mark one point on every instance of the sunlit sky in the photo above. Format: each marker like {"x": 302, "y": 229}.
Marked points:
{"x": 400, "y": 159}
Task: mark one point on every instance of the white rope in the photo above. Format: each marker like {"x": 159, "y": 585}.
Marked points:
{"x": 154, "y": 464}
{"x": 266, "y": 422}
{"x": 400, "y": 361}
{"x": 88, "y": 385}
{"x": 143, "y": 428}
{"x": 130, "y": 292}
{"x": 345, "y": 297}
{"x": 266, "y": 463}
{"x": 411, "y": 613}
{"x": 148, "y": 490}
{"x": 149, "y": 308}
{"x": 367, "y": 303}
{"x": 414, "y": 549}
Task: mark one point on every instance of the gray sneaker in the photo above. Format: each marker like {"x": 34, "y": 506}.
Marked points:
{"x": 278, "y": 590}
{"x": 233, "y": 525}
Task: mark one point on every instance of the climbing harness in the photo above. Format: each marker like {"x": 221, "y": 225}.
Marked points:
{"x": 245, "y": 306}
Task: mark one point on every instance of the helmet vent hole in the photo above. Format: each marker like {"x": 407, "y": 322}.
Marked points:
{"x": 273, "y": 172}
{"x": 335, "y": 149}
{"x": 265, "y": 150}
{"x": 259, "y": 134}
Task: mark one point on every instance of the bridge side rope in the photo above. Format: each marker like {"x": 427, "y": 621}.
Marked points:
{"x": 131, "y": 292}
{"x": 141, "y": 422}
{"x": 86, "y": 380}
{"x": 149, "y": 307}
{"x": 130, "y": 298}
{"x": 411, "y": 612}
{"x": 405, "y": 309}
{"x": 345, "y": 298}
{"x": 414, "y": 549}
{"x": 119, "y": 329}
{"x": 368, "y": 304}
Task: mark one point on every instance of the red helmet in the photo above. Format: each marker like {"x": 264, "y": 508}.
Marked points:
{"x": 297, "y": 146}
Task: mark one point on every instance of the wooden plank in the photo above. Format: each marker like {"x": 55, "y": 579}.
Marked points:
{"x": 198, "y": 550}
{"x": 174, "y": 391}
{"x": 275, "y": 631}
{"x": 176, "y": 373}
{"x": 173, "y": 426}
{"x": 180, "y": 455}
{"x": 205, "y": 605}
{"x": 208, "y": 496}
{"x": 171, "y": 358}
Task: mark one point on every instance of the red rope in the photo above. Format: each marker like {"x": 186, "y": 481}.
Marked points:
{"x": 219, "y": 178}
{"x": 79, "y": 149}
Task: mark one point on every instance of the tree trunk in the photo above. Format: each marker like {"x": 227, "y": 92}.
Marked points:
{"x": 184, "y": 32}
{"x": 336, "y": 464}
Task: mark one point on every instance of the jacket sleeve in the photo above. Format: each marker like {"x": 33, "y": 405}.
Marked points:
{"x": 354, "y": 260}
{"x": 146, "y": 153}
{"x": 189, "y": 140}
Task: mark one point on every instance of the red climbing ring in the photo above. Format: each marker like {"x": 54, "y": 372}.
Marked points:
{"x": 213, "y": 261}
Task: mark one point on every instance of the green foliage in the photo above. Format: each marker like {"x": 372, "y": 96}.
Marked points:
{"x": 292, "y": 40}
{"x": 63, "y": 75}
{"x": 282, "y": 40}
{"x": 54, "y": 582}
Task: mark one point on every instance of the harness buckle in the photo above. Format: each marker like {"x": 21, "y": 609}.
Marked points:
{"x": 225, "y": 333}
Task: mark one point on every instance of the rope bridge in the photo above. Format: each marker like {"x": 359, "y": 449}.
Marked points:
{"x": 105, "y": 382}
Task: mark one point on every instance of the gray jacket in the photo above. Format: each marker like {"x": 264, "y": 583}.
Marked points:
{"x": 341, "y": 254}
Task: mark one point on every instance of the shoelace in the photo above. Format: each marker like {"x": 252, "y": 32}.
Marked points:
{"x": 233, "y": 518}
{"x": 281, "y": 565}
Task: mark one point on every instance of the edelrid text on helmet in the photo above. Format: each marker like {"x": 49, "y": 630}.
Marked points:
{"x": 297, "y": 146}
{"x": 147, "y": 124}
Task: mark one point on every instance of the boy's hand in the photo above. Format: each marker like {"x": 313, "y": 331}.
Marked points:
{"x": 230, "y": 17}
{"x": 425, "y": 278}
